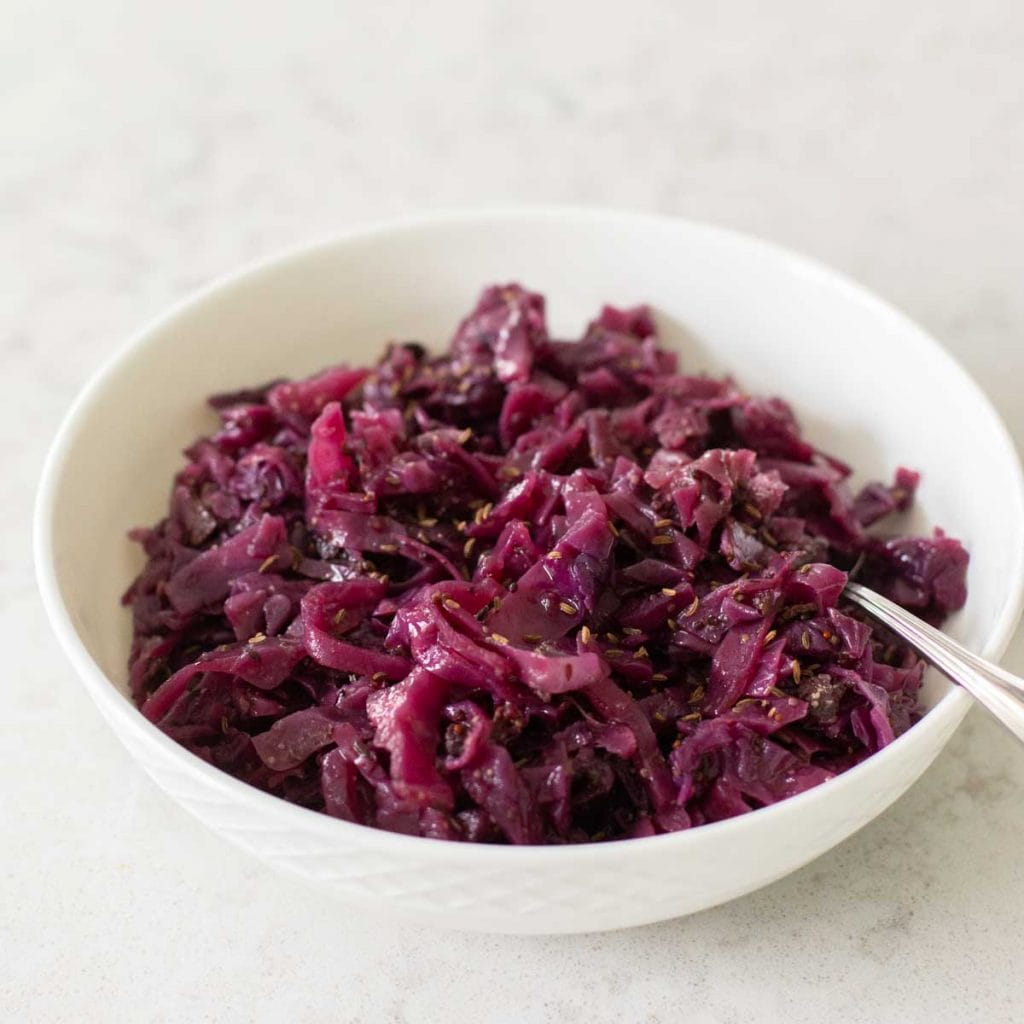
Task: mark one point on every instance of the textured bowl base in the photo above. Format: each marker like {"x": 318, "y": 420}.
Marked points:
{"x": 494, "y": 899}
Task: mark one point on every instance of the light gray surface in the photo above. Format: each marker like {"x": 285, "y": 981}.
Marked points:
{"x": 145, "y": 152}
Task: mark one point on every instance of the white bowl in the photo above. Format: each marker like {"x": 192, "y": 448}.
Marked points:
{"x": 867, "y": 383}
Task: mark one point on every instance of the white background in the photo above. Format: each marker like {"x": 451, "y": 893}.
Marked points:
{"x": 145, "y": 149}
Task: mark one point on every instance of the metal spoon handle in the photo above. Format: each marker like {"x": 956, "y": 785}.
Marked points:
{"x": 998, "y": 690}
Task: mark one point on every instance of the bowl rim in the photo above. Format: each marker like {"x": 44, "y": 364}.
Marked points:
{"x": 122, "y": 714}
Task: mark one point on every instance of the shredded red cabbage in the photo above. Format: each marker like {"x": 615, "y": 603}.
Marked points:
{"x": 527, "y": 591}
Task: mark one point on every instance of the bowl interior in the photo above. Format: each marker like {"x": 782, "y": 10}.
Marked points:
{"x": 867, "y": 384}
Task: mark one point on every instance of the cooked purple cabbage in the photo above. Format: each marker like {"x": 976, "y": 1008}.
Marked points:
{"x": 527, "y": 591}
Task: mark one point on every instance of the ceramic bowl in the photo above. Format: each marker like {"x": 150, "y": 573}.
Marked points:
{"x": 867, "y": 383}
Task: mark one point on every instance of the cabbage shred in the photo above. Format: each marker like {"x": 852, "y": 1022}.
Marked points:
{"x": 526, "y": 591}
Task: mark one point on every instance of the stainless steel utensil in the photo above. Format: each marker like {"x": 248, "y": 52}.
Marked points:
{"x": 998, "y": 690}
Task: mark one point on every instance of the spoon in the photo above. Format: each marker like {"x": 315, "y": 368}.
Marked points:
{"x": 998, "y": 690}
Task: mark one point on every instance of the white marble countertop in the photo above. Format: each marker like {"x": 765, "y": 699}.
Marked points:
{"x": 145, "y": 150}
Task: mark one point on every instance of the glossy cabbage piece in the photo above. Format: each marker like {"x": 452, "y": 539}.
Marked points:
{"x": 527, "y": 590}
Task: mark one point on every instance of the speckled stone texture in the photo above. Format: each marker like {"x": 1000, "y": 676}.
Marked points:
{"x": 145, "y": 150}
